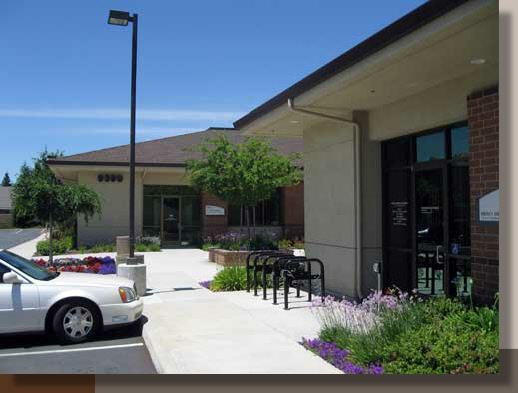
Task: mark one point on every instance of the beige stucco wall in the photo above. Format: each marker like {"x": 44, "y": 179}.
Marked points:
{"x": 329, "y": 202}
{"x": 114, "y": 220}
{"x": 371, "y": 203}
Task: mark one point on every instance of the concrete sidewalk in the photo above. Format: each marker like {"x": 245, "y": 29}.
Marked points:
{"x": 190, "y": 329}
{"x": 28, "y": 249}
{"x": 193, "y": 330}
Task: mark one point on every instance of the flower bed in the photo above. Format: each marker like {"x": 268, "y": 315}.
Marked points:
{"x": 231, "y": 249}
{"x": 407, "y": 335}
{"x": 97, "y": 265}
{"x": 337, "y": 357}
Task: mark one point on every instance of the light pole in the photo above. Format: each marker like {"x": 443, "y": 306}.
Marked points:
{"x": 122, "y": 18}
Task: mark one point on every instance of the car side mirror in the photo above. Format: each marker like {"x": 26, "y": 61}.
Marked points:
{"x": 11, "y": 278}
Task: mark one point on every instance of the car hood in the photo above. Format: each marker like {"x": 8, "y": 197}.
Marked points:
{"x": 90, "y": 280}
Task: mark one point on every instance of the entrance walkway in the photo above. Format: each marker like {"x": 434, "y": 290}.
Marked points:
{"x": 193, "y": 330}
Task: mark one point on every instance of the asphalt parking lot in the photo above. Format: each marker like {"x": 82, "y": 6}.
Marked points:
{"x": 12, "y": 237}
{"x": 117, "y": 351}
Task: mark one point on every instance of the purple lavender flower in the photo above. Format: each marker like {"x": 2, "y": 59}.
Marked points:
{"x": 337, "y": 357}
{"x": 205, "y": 284}
{"x": 107, "y": 268}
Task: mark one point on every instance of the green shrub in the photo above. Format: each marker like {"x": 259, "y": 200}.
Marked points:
{"x": 59, "y": 246}
{"x": 299, "y": 245}
{"x": 233, "y": 278}
{"x": 437, "y": 336}
{"x": 153, "y": 247}
{"x": 284, "y": 243}
{"x": 146, "y": 247}
{"x": 445, "y": 346}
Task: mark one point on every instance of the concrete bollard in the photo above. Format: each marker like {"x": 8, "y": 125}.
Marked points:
{"x": 136, "y": 273}
{"x": 132, "y": 268}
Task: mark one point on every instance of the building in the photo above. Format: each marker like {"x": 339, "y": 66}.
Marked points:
{"x": 165, "y": 205}
{"x": 400, "y": 140}
{"x": 6, "y": 216}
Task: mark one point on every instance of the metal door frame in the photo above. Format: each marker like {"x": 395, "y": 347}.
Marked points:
{"x": 162, "y": 238}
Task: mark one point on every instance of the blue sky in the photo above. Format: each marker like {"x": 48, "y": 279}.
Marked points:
{"x": 65, "y": 73}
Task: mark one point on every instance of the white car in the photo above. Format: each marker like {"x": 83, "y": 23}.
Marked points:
{"x": 73, "y": 306}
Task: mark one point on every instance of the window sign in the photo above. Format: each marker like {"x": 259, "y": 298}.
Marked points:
{"x": 488, "y": 208}
{"x": 399, "y": 213}
{"x": 211, "y": 210}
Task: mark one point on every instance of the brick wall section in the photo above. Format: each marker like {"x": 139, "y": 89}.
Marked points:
{"x": 293, "y": 211}
{"x": 483, "y": 118}
{"x": 213, "y": 225}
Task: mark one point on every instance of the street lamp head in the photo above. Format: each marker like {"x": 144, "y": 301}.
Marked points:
{"x": 120, "y": 18}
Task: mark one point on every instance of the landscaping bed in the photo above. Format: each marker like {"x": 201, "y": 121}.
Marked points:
{"x": 65, "y": 246}
{"x": 397, "y": 333}
{"x": 96, "y": 265}
{"x": 231, "y": 278}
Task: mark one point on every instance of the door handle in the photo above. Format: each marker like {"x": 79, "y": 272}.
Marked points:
{"x": 437, "y": 253}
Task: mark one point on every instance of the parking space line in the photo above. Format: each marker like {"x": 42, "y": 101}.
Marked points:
{"x": 3, "y": 355}
{"x": 18, "y": 231}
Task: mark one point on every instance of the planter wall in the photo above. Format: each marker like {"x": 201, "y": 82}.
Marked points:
{"x": 227, "y": 258}
{"x": 238, "y": 258}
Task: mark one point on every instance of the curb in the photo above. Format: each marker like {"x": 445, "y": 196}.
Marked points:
{"x": 151, "y": 349}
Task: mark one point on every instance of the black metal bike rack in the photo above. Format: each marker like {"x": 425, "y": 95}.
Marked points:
{"x": 251, "y": 266}
{"x": 291, "y": 268}
{"x": 300, "y": 270}
{"x": 276, "y": 269}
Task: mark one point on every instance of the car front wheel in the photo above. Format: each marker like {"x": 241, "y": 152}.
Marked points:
{"x": 75, "y": 322}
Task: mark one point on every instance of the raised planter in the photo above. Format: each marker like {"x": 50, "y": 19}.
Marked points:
{"x": 227, "y": 258}
{"x": 295, "y": 251}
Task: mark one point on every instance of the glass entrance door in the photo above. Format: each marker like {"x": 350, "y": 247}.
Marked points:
{"x": 427, "y": 211}
{"x": 430, "y": 212}
{"x": 171, "y": 230}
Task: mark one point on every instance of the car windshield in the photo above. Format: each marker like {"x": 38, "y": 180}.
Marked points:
{"x": 26, "y": 266}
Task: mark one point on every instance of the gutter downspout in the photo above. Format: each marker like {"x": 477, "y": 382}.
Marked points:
{"x": 357, "y": 184}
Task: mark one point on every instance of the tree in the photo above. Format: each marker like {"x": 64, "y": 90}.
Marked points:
{"x": 6, "y": 181}
{"x": 242, "y": 174}
{"x": 40, "y": 194}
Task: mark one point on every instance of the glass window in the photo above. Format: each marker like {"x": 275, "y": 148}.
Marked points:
{"x": 459, "y": 215}
{"x": 430, "y": 147}
{"x": 27, "y": 266}
{"x": 266, "y": 212}
{"x": 152, "y": 215}
{"x": 460, "y": 142}
{"x": 234, "y": 215}
{"x": 169, "y": 190}
{"x": 191, "y": 209}
{"x": 397, "y": 153}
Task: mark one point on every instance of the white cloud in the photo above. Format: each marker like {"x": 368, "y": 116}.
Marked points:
{"x": 142, "y": 114}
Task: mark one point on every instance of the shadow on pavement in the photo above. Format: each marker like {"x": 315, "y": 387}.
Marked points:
{"x": 35, "y": 340}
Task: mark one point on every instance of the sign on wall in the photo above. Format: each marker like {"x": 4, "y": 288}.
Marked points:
{"x": 211, "y": 210}
{"x": 488, "y": 208}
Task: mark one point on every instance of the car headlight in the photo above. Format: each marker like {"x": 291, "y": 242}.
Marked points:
{"x": 127, "y": 294}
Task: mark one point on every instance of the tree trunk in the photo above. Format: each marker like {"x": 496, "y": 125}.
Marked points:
{"x": 248, "y": 222}
{"x": 241, "y": 221}
{"x": 254, "y": 222}
{"x": 51, "y": 257}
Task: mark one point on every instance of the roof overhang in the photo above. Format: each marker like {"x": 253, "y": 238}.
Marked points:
{"x": 432, "y": 45}
{"x": 68, "y": 170}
